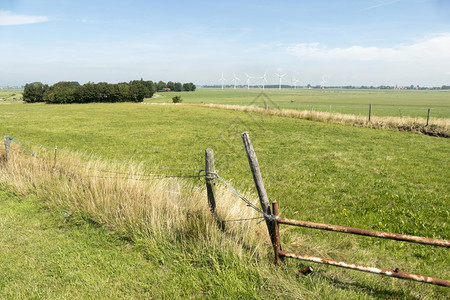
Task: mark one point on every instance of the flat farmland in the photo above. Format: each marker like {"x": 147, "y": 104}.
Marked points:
{"x": 393, "y": 103}
{"x": 360, "y": 177}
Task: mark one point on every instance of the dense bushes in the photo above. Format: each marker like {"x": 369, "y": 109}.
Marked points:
{"x": 34, "y": 92}
{"x": 161, "y": 86}
{"x": 73, "y": 92}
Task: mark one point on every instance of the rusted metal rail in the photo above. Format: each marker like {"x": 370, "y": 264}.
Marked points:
{"x": 366, "y": 232}
{"x": 392, "y": 273}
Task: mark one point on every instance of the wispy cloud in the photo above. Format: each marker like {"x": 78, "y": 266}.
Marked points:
{"x": 8, "y": 18}
{"x": 85, "y": 21}
{"x": 381, "y": 4}
{"x": 434, "y": 48}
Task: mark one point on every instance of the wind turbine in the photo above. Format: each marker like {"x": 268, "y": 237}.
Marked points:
{"x": 295, "y": 81}
{"x": 235, "y": 79}
{"x": 248, "y": 80}
{"x": 264, "y": 79}
{"x": 280, "y": 76}
{"x": 322, "y": 83}
{"x": 222, "y": 79}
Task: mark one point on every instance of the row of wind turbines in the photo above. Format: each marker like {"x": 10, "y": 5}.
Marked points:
{"x": 264, "y": 80}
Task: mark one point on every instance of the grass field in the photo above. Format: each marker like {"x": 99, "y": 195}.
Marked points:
{"x": 374, "y": 179}
{"x": 10, "y": 95}
{"x": 398, "y": 103}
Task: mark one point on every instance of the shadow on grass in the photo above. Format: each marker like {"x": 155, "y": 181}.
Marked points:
{"x": 373, "y": 291}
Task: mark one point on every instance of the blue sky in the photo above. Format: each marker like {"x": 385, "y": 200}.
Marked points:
{"x": 344, "y": 42}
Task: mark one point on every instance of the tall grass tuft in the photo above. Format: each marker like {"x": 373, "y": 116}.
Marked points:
{"x": 437, "y": 127}
{"x": 133, "y": 203}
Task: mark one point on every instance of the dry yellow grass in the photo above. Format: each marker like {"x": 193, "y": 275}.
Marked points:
{"x": 437, "y": 127}
{"x": 130, "y": 202}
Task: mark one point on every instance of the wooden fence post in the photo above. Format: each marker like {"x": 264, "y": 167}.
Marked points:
{"x": 7, "y": 141}
{"x": 210, "y": 179}
{"x": 370, "y": 112}
{"x": 263, "y": 199}
{"x": 428, "y": 117}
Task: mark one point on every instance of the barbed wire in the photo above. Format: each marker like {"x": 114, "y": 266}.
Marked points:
{"x": 15, "y": 141}
{"x": 20, "y": 142}
{"x": 147, "y": 177}
{"x": 237, "y": 194}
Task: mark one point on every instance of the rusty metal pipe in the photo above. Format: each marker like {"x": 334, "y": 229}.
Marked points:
{"x": 276, "y": 233}
{"x": 366, "y": 232}
{"x": 358, "y": 267}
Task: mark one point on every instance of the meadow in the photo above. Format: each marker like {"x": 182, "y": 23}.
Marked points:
{"x": 8, "y": 95}
{"x": 396, "y": 103}
{"x": 375, "y": 179}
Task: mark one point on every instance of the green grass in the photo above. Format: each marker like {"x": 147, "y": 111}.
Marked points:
{"x": 396, "y": 103}
{"x": 8, "y": 95}
{"x": 374, "y": 179}
{"x": 47, "y": 255}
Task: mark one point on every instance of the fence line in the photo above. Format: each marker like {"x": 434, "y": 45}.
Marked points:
{"x": 146, "y": 177}
{"x": 272, "y": 218}
{"x": 20, "y": 143}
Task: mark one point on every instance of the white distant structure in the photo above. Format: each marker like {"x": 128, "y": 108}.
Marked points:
{"x": 234, "y": 80}
{"x": 322, "y": 83}
{"x": 248, "y": 80}
{"x": 280, "y": 76}
{"x": 295, "y": 82}
{"x": 222, "y": 79}
{"x": 264, "y": 79}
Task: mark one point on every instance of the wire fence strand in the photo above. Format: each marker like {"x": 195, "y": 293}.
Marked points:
{"x": 147, "y": 177}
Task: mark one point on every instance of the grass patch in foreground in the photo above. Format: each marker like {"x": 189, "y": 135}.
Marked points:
{"x": 53, "y": 251}
{"x": 44, "y": 255}
{"x": 326, "y": 173}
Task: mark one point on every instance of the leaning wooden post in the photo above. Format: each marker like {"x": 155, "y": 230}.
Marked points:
{"x": 370, "y": 112}
{"x": 428, "y": 117}
{"x": 210, "y": 179}
{"x": 276, "y": 233}
{"x": 253, "y": 161}
{"x": 7, "y": 141}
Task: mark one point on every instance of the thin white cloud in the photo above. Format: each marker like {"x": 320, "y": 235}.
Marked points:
{"x": 434, "y": 48}
{"x": 381, "y": 4}
{"x": 85, "y": 21}
{"x": 8, "y": 18}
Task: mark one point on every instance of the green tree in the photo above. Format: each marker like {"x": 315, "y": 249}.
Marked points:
{"x": 62, "y": 92}
{"x": 177, "y": 87}
{"x": 88, "y": 92}
{"x": 151, "y": 87}
{"x": 34, "y": 92}
{"x": 138, "y": 91}
{"x": 170, "y": 85}
{"x": 160, "y": 86}
{"x": 124, "y": 92}
{"x": 189, "y": 87}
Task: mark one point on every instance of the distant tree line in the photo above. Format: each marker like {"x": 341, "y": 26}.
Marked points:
{"x": 161, "y": 86}
{"x": 72, "y": 92}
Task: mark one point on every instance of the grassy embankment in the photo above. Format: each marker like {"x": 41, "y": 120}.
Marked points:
{"x": 321, "y": 172}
